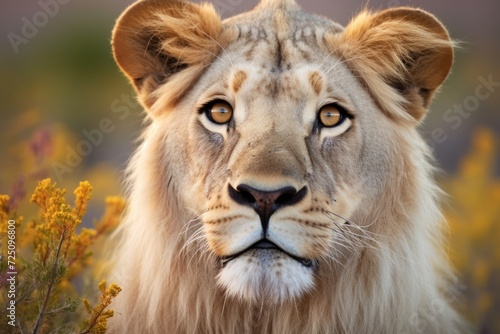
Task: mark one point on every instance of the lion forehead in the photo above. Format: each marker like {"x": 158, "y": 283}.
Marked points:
{"x": 279, "y": 40}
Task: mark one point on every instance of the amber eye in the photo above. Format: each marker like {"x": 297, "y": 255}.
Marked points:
{"x": 220, "y": 112}
{"x": 331, "y": 115}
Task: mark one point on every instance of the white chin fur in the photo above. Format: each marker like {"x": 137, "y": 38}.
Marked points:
{"x": 269, "y": 275}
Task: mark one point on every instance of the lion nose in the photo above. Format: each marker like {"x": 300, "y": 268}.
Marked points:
{"x": 265, "y": 203}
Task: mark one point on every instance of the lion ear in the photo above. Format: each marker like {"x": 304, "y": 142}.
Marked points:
{"x": 402, "y": 54}
{"x": 154, "y": 41}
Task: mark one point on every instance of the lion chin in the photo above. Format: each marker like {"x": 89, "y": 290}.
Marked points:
{"x": 264, "y": 273}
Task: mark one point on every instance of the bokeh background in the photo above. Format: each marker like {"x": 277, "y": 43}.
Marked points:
{"x": 68, "y": 113}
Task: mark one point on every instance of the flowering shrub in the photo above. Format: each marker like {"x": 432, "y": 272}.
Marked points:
{"x": 48, "y": 254}
{"x": 474, "y": 216}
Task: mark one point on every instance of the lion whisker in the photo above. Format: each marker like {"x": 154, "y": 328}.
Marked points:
{"x": 362, "y": 238}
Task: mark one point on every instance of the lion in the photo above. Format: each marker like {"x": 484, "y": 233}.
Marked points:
{"x": 281, "y": 184}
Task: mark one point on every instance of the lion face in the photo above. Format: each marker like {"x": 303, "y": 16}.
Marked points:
{"x": 278, "y": 158}
{"x": 281, "y": 133}
{"x": 271, "y": 146}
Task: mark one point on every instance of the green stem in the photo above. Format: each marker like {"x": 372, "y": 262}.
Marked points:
{"x": 41, "y": 314}
{"x": 94, "y": 320}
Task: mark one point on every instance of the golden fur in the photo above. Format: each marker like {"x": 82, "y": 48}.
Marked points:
{"x": 357, "y": 233}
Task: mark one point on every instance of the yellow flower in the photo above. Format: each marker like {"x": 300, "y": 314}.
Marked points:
{"x": 49, "y": 198}
{"x": 4, "y": 213}
{"x": 474, "y": 222}
{"x": 83, "y": 194}
{"x": 4, "y": 207}
{"x": 99, "y": 315}
{"x": 115, "y": 206}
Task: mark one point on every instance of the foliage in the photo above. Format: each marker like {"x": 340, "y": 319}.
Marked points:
{"x": 96, "y": 324}
{"x": 51, "y": 255}
{"x": 474, "y": 222}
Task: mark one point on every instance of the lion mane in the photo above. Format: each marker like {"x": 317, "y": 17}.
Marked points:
{"x": 281, "y": 184}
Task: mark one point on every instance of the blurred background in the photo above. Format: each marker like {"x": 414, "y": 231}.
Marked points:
{"x": 69, "y": 114}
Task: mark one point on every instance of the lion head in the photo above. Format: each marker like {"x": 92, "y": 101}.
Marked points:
{"x": 281, "y": 184}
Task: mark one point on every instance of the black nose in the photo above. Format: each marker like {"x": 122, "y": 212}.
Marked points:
{"x": 265, "y": 203}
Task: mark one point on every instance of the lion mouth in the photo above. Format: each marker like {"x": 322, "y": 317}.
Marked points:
{"x": 265, "y": 244}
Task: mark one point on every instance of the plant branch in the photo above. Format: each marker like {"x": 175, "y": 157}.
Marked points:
{"x": 19, "y": 326}
{"x": 41, "y": 314}
{"x": 66, "y": 306}
{"x": 94, "y": 321}
{"x": 28, "y": 292}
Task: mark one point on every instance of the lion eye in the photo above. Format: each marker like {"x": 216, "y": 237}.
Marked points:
{"x": 220, "y": 112}
{"x": 331, "y": 115}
